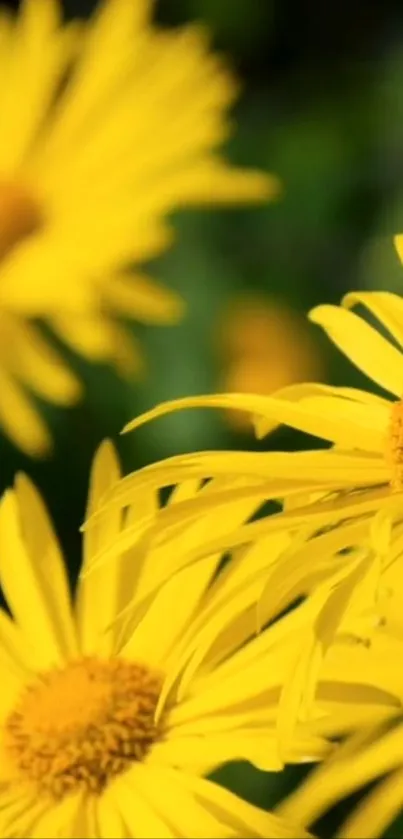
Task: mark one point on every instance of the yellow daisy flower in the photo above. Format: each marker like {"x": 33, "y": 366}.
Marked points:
{"x": 106, "y": 128}
{"x": 362, "y": 471}
{"x": 113, "y": 709}
{"x": 360, "y": 694}
{"x": 263, "y": 345}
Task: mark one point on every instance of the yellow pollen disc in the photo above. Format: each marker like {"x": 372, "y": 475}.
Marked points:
{"x": 75, "y": 729}
{"x": 20, "y": 216}
{"x": 394, "y": 451}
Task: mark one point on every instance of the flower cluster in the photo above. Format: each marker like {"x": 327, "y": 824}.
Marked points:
{"x": 202, "y": 629}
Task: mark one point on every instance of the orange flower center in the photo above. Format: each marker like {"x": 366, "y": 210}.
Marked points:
{"x": 20, "y": 216}
{"x": 394, "y": 451}
{"x": 76, "y": 728}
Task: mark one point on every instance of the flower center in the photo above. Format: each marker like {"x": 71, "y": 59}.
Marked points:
{"x": 20, "y": 216}
{"x": 76, "y": 728}
{"x": 394, "y": 451}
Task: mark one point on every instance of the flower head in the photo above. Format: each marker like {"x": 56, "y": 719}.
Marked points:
{"x": 114, "y": 709}
{"x": 106, "y": 128}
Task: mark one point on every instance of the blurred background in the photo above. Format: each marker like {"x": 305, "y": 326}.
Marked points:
{"x": 322, "y": 107}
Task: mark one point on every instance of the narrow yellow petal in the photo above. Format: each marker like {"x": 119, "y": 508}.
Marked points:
{"x": 141, "y": 297}
{"x": 340, "y": 777}
{"x": 38, "y": 60}
{"x": 398, "y": 242}
{"x": 47, "y": 559}
{"x": 61, "y": 820}
{"x": 387, "y": 307}
{"x": 310, "y": 470}
{"x": 200, "y": 755}
{"x": 134, "y": 797}
{"x": 40, "y": 367}
{"x": 376, "y": 811}
{"x": 98, "y": 598}
{"x": 16, "y": 655}
{"x": 329, "y": 604}
{"x": 322, "y": 515}
{"x": 334, "y": 420}
{"x": 363, "y": 345}
{"x": 242, "y": 817}
{"x": 162, "y": 625}
{"x": 22, "y": 812}
{"x": 20, "y": 420}
{"x": 25, "y": 588}
{"x": 175, "y": 805}
{"x": 109, "y": 818}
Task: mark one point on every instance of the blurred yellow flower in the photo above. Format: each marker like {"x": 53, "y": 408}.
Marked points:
{"x": 263, "y": 345}
{"x": 113, "y": 710}
{"x": 106, "y": 128}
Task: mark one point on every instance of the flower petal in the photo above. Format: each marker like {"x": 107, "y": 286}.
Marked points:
{"x": 336, "y": 420}
{"x": 376, "y": 811}
{"x": 47, "y": 559}
{"x": 387, "y": 307}
{"x": 25, "y": 588}
{"x": 363, "y": 345}
{"x": 98, "y": 596}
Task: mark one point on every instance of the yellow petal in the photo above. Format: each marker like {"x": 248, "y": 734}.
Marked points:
{"x": 269, "y": 471}
{"x": 20, "y": 420}
{"x": 98, "y": 598}
{"x": 398, "y": 241}
{"x": 109, "y": 818}
{"x": 376, "y": 811}
{"x": 307, "y": 561}
{"x": 113, "y": 30}
{"x": 175, "y": 804}
{"x": 363, "y": 345}
{"x": 349, "y": 769}
{"x": 298, "y": 392}
{"x": 59, "y": 819}
{"x": 99, "y": 339}
{"x": 39, "y": 57}
{"x": 321, "y": 515}
{"x": 25, "y": 588}
{"x": 334, "y": 420}
{"x": 22, "y": 812}
{"x": 40, "y": 367}
{"x": 46, "y": 557}
{"x": 241, "y": 816}
{"x": 329, "y": 604}
{"x": 169, "y": 615}
{"x": 136, "y": 800}
{"x": 144, "y": 299}
{"x": 15, "y": 659}
{"x": 222, "y": 689}
{"x": 387, "y": 307}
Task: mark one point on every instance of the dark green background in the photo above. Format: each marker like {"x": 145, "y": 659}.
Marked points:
{"x": 323, "y": 108}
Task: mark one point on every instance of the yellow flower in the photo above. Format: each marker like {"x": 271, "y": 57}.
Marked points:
{"x": 360, "y": 694}
{"x": 113, "y": 710}
{"x": 106, "y": 128}
{"x": 263, "y": 345}
{"x": 360, "y": 474}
